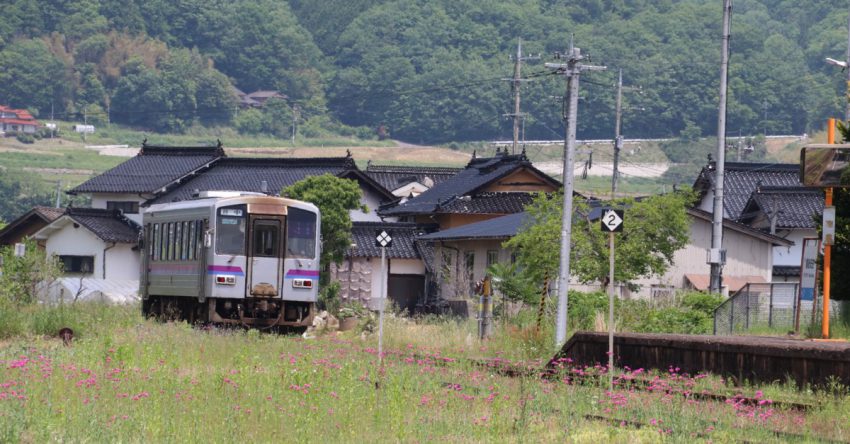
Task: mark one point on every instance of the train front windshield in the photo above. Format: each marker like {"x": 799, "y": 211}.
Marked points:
{"x": 230, "y": 230}
{"x": 301, "y": 234}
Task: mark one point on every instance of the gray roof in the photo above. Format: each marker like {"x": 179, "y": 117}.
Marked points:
{"x": 503, "y": 227}
{"x": 741, "y": 179}
{"x": 108, "y": 225}
{"x": 247, "y": 174}
{"x": 487, "y": 203}
{"x": 154, "y": 168}
{"x": 394, "y": 177}
{"x": 477, "y": 174}
{"x": 403, "y": 234}
{"x": 797, "y": 207}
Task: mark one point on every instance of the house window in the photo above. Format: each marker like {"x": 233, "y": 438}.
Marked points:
{"x": 77, "y": 264}
{"x": 126, "y": 207}
{"x": 492, "y": 257}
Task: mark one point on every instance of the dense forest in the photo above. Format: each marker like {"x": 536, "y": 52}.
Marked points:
{"x": 429, "y": 71}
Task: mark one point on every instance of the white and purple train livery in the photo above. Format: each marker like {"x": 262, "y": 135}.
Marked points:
{"x": 232, "y": 257}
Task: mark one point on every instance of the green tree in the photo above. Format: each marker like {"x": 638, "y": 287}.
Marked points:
{"x": 31, "y": 76}
{"x": 655, "y": 228}
{"x": 23, "y": 275}
{"x": 335, "y": 198}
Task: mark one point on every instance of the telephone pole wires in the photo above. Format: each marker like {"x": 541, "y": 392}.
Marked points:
{"x": 572, "y": 71}
{"x": 716, "y": 256}
{"x": 516, "y": 83}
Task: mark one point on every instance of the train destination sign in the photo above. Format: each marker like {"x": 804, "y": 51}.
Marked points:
{"x": 825, "y": 166}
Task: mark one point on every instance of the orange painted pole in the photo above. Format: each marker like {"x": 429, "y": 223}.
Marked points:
{"x": 827, "y": 249}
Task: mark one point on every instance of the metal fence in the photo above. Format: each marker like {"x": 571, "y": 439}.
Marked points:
{"x": 759, "y": 307}
{"x": 768, "y": 308}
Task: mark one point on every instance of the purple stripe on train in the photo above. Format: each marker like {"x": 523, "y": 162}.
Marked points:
{"x": 301, "y": 274}
{"x": 213, "y": 269}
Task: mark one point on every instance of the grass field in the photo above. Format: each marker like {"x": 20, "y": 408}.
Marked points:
{"x": 125, "y": 379}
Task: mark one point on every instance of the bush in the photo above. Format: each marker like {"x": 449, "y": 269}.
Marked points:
{"x": 329, "y": 298}
{"x": 25, "y": 138}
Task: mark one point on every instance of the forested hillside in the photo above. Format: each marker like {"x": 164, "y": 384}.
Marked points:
{"x": 430, "y": 71}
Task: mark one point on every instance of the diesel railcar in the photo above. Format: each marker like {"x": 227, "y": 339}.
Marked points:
{"x": 231, "y": 258}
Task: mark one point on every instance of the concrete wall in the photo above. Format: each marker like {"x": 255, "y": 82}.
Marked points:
{"x": 372, "y": 201}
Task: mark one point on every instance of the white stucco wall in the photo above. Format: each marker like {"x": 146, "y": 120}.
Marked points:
{"x": 122, "y": 263}
{"x": 77, "y": 242}
{"x": 98, "y": 200}
{"x": 745, "y": 256}
{"x": 406, "y": 266}
{"x": 372, "y": 202}
{"x": 793, "y": 255}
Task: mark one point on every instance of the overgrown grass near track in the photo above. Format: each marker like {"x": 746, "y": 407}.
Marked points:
{"x": 125, "y": 379}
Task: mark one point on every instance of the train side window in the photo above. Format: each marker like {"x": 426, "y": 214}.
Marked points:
{"x": 185, "y": 254}
{"x": 178, "y": 241}
{"x": 300, "y": 234}
{"x": 154, "y": 242}
{"x": 170, "y": 244}
{"x": 190, "y": 246}
{"x": 265, "y": 240}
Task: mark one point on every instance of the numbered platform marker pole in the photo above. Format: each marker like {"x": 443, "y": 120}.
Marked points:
{"x": 384, "y": 240}
{"x": 611, "y": 222}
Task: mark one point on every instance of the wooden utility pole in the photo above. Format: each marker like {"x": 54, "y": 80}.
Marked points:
{"x": 572, "y": 71}
{"x": 716, "y": 254}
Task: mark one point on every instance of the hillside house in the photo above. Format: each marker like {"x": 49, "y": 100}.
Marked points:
{"x": 17, "y": 121}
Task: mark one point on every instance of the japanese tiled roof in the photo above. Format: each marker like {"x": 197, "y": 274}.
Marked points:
{"x": 797, "y": 207}
{"x": 108, "y": 225}
{"x": 394, "y": 177}
{"x": 741, "y": 179}
{"x": 477, "y": 174}
{"x": 487, "y": 203}
{"x": 154, "y": 168}
{"x": 363, "y": 235}
{"x": 31, "y": 221}
{"x": 499, "y": 228}
{"x": 248, "y": 174}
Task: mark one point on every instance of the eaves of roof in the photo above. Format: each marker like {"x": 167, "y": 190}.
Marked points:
{"x": 741, "y": 228}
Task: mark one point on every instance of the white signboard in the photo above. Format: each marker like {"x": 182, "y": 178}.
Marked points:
{"x": 808, "y": 269}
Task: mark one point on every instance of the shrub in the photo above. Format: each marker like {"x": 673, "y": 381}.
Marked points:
{"x": 329, "y": 298}
{"x": 25, "y": 138}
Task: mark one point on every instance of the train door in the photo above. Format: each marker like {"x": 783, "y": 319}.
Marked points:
{"x": 265, "y": 260}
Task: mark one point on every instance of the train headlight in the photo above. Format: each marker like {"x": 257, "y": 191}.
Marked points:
{"x": 225, "y": 280}
{"x": 302, "y": 283}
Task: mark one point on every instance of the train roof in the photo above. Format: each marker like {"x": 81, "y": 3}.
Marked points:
{"x": 214, "y": 200}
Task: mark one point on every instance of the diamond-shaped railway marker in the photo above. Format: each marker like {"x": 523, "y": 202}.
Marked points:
{"x": 383, "y": 239}
{"x": 612, "y": 220}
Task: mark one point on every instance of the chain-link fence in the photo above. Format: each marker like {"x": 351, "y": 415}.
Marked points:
{"x": 759, "y": 307}
{"x": 769, "y": 308}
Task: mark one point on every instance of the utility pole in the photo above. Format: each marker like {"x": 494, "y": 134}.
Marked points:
{"x": 847, "y": 61}
{"x": 618, "y": 141}
{"x": 516, "y": 82}
{"x": 295, "y": 116}
{"x": 716, "y": 255}
{"x": 572, "y": 71}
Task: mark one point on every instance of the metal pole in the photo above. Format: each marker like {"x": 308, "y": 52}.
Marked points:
{"x": 715, "y": 255}
{"x": 611, "y": 312}
{"x": 383, "y": 301}
{"x": 827, "y": 249}
{"x": 770, "y": 307}
{"x": 567, "y": 215}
